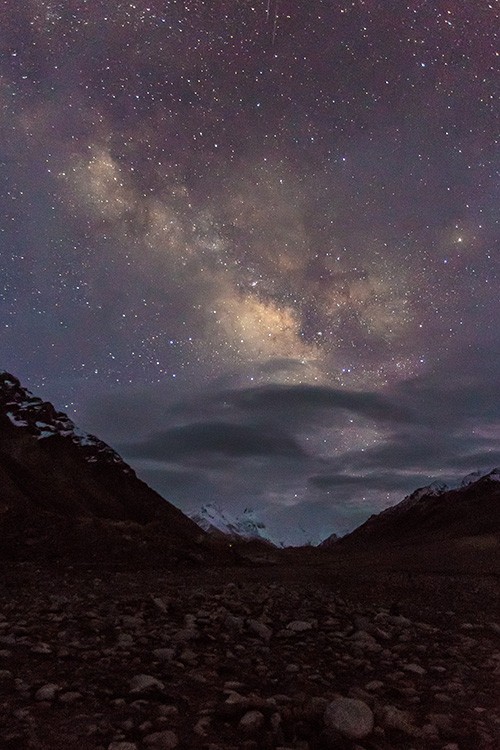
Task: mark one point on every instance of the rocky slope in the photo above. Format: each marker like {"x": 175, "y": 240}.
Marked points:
{"x": 436, "y": 513}
{"x": 64, "y": 492}
{"x": 243, "y": 661}
{"x": 329, "y": 541}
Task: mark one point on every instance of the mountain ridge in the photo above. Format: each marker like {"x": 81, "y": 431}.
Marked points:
{"x": 60, "y": 483}
{"x": 435, "y": 512}
{"x": 212, "y": 519}
{"x": 54, "y": 474}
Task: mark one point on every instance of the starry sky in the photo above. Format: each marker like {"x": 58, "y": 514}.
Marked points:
{"x": 254, "y": 244}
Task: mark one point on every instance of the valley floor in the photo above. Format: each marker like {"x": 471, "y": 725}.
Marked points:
{"x": 247, "y": 658}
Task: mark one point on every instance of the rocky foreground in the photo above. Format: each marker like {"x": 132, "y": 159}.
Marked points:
{"x": 247, "y": 660}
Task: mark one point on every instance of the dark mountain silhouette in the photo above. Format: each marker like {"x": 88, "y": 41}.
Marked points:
{"x": 66, "y": 493}
{"x": 436, "y": 528}
{"x": 436, "y": 513}
{"x": 329, "y": 541}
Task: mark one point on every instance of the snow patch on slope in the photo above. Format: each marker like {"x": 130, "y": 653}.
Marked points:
{"x": 215, "y": 521}
{"x": 249, "y": 526}
{"x": 432, "y": 490}
{"x": 439, "y": 488}
{"x": 42, "y": 421}
{"x": 494, "y": 475}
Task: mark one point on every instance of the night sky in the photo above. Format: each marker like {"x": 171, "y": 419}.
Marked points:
{"x": 254, "y": 245}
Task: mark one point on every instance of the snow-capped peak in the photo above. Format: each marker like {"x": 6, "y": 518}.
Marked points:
{"x": 494, "y": 475}
{"x": 438, "y": 488}
{"x": 41, "y": 420}
{"x": 215, "y": 521}
{"x": 471, "y": 478}
{"x": 475, "y": 476}
{"x": 431, "y": 490}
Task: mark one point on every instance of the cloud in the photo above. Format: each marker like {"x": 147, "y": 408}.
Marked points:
{"x": 264, "y": 446}
{"x": 306, "y": 402}
{"x": 423, "y": 451}
{"x": 464, "y": 386}
{"x": 383, "y": 482}
{"x": 476, "y": 461}
{"x": 299, "y": 409}
{"x": 232, "y": 440}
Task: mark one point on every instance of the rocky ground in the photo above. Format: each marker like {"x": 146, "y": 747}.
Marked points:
{"x": 247, "y": 659}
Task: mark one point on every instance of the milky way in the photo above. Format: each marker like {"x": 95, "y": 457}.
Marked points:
{"x": 203, "y": 200}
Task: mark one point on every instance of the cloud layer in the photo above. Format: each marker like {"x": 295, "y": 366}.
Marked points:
{"x": 315, "y": 457}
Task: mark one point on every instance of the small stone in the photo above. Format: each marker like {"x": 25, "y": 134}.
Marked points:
{"x": 430, "y": 731}
{"x": 141, "y": 683}
{"x": 374, "y": 685}
{"x": 442, "y": 698}
{"x": 122, "y": 746}
{"x": 188, "y": 656}
{"x": 260, "y": 629}
{"x": 160, "y": 604}
{"x": 234, "y": 705}
{"x": 275, "y": 722}
{"x": 70, "y": 697}
{"x": 403, "y": 622}
{"x": 349, "y": 716}
{"x": 251, "y": 722}
{"x": 186, "y": 634}
{"x": 41, "y": 648}
{"x": 168, "y": 711}
{"x": 443, "y": 722}
{"x": 414, "y": 669}
{"x": 234, "y": 685}
{"x": 394, "y": 718}
{"x": 202, "y": 725}
{"x": 366, "y": 641}
{"x": 47, "y": 692}
{"x": 125, "y": 640}
{"x": 165, "y": 740}
{"x": 164, "y": 654}
{"x": 299, "y": 626}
